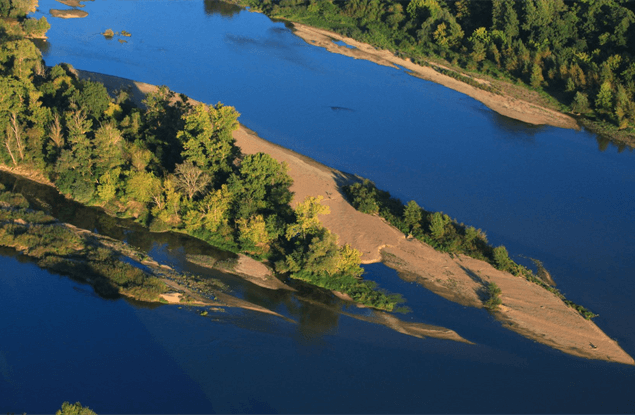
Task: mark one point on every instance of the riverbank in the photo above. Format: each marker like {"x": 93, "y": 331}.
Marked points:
{"x": 512, "y": 107}
{"x": 527, "y": 308}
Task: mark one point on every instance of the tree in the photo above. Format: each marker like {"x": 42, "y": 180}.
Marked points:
{"x": 307, "y": 220}
{"x": 207, "y": 138}
{"x": 580, "y": 103}
{"x": 504, "y": 18}
{"x": 604, "y": 99}
{"x": 92, "y": 97}
{"x": 142, "y": 186}
{"x": 21, "y": 58}
{"x": 413, "y": 215}
{"x": 190, "y": 179}
{"x": 253, "y": 236}
{"x": 109, "y": 143}
{"x": 261, "y": 185}
{"x": 502, "y": 260}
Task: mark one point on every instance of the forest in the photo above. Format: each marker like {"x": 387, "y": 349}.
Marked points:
{"x": 577, "y": 54}
{"x": 172, "y": 165}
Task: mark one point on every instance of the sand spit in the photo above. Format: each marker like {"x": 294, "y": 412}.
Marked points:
{"x": 527, "y": 309}
{"x": 510, "y": 107}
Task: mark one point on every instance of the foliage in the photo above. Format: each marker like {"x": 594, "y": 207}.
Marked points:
{"x": 494, "y": 299}
{"x": 74, "y": 409}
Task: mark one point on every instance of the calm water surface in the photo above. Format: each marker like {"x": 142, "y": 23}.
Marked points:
{"x": 543, "y": 192}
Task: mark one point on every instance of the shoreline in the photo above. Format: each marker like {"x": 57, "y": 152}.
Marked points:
{"x": 527, "y": 308}
{"x": 507, "y": 106}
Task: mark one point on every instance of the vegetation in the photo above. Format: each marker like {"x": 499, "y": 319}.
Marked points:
{"x": 494, "y": 299}
{"x": 442, "y": 233}
{"x": 74, "y": 409}
{"x": 579, "y": 53}
{"x": 171, "y": 166}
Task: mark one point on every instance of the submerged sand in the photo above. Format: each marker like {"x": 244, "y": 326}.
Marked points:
{"x": 527, "y": 309}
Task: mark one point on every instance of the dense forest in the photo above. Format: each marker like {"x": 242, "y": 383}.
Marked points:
{"x": 579, "y": 53}
{"x": 170, "y": 165}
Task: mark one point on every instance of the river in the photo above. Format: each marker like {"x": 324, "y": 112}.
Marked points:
{"x": 561, "y": 196}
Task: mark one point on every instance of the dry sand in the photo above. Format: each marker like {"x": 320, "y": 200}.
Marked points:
{"x": 507, "y": 106}
{"x": 527, "y": 309}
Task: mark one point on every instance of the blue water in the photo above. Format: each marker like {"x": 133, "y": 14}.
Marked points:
{"x": 543, "y": 192}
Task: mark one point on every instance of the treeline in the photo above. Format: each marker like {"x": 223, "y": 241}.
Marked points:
{"x": 579, "y": 52}
{"x": 171, "y": 165}
{"x": 445, "y": 234}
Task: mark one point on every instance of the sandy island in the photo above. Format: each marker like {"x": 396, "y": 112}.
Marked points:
{"x": 527, "y": 309}
{"x": 510, "y": 107}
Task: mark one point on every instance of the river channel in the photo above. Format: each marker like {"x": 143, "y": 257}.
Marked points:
{"x": 562, "y": 196}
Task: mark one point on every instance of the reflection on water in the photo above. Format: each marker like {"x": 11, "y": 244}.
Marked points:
{"x": 229, "y": 10}
{"x": 42, "y": 44}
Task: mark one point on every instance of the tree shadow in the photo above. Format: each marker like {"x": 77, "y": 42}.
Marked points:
{"x": 482, "y": 292}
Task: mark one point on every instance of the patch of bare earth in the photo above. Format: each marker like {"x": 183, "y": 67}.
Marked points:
{"x": 509, "y": 106}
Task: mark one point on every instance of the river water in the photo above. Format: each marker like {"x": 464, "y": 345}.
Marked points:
{"x": 561, "y": 196}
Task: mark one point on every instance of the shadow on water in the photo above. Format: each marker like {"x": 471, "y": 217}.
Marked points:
{"x": 516, "y": 127}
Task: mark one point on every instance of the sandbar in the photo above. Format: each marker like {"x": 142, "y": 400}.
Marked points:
{"x": 68, "y": 14}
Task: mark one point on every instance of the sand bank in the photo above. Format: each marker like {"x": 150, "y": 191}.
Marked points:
{"x": 516, "y": 108}
{"x": 527, "y": 309}
{"x": 68, "y": 14}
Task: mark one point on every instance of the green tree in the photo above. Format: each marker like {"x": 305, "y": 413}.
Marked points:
{"x": 502, "y": 260}
{"x": 505, "y": 18}
{"x": 261, "y": 186}
{"x": 142, "y": 186}
{"x": 580, "y": 103}
{"x": 412, "y": 216}
{"x": 92, "y": 97}
{"x": 604, "y": 99}
{"x": 207, "y": 138}
{"x": 253, "y": 236}
{"x": 306, "y": 214}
